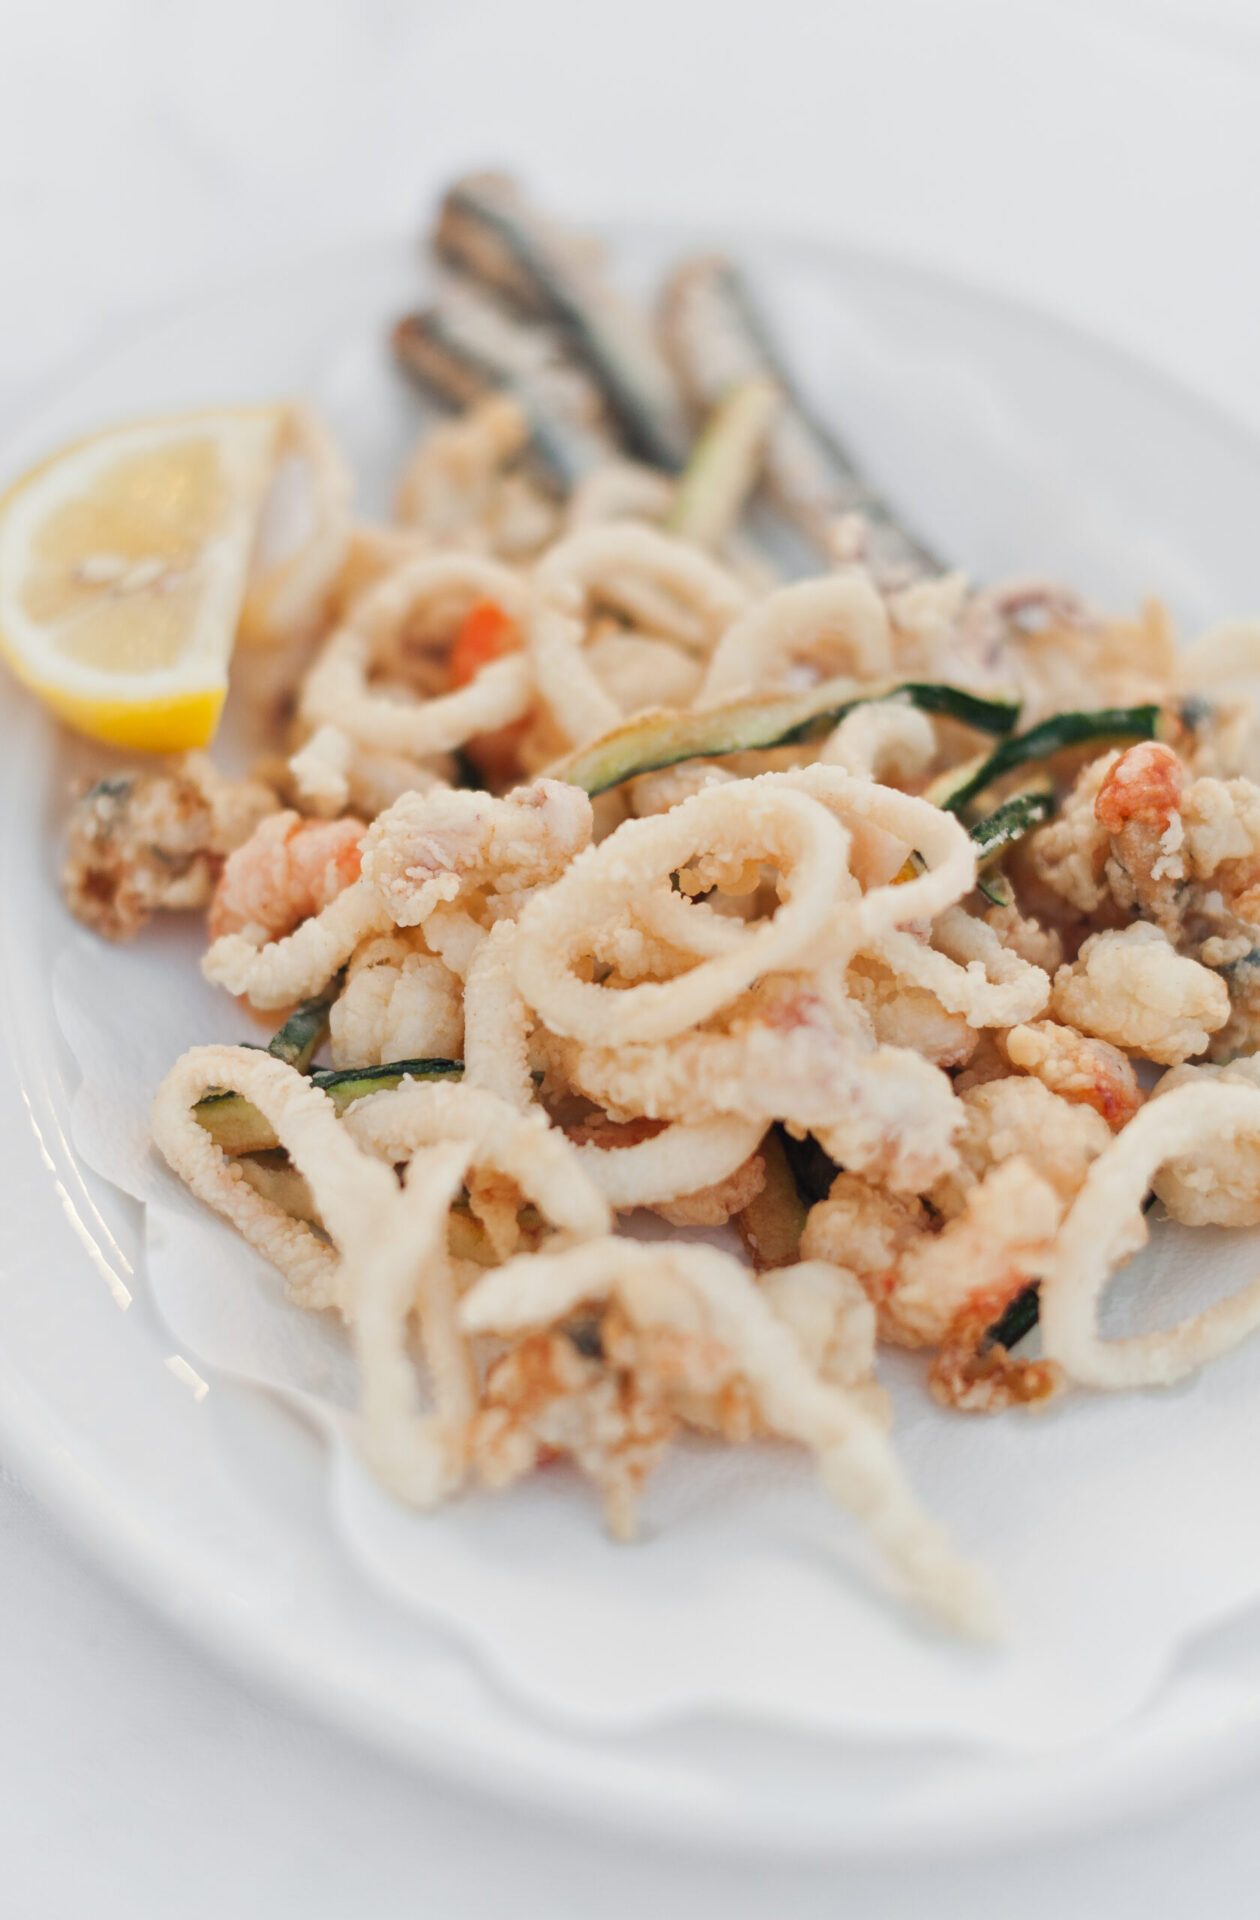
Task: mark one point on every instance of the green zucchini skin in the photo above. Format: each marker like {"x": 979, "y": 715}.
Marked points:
{"x": 235, "y": 1124}
{"x": 1019, "y": 1319}
{"x": 306, "y": 1029}
{"x": 1011, "y": 821}
{"x": 665, "y": 737}
{"x": 954, "y": 792}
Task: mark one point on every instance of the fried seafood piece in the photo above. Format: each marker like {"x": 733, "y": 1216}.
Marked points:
{"x": 694, "y": 1334}
{"x": 546, "y": 1397}
{"x": 830, "y": 1312}
{"x": 907, "y": 1016}
{"x": 433, "y": 848}
{"x": 1077, "y": 1067}
{"x": 288, "y": 870}
{"x": 1039, "y": 946}
{"x": 399, "y": 1003}
{"x": 714, "y": 1205}
{"x": 920, "y": 1277}
{"x": 1069, "y": 854}
{"x": 1134, "y": 989}
{"x": 1217, "y": 1184}
{"x": 458, "y": 488}
{"x": 1019, "y": 1116}
{"x": 1106, "y": 1227}
{"x": 141, "y": 843}
{"x": 783, "y": 1054}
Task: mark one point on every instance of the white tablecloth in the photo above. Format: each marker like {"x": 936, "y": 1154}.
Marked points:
{"x": 1097, "y": 157}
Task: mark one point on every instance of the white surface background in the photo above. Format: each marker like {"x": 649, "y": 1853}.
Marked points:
{"x": 1100, "y": 158}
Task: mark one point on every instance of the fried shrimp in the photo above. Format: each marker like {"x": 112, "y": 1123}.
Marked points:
{"x": 286, "y": 871}
{"x": 712, "y": 1322}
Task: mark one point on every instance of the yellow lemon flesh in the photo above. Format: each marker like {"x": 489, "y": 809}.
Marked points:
{"x": 123, "y": 566}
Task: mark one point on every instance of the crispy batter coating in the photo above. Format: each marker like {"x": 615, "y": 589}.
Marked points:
{"x": 399, "y": 1003}
{"x": 1003, "y": 1118}
{"x": 437, "y": 847}
{"x": 1133, "y": 988}
{"x": 1078, "y": 1068}
{"x": 141, "y": 843}
{"x": 1218, "y": 1184}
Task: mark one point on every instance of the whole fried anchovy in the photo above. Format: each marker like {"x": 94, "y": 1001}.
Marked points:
{"x": 487, "y": 228}
{"x": 464, "y": 346}
{"x": 715, "y": 339}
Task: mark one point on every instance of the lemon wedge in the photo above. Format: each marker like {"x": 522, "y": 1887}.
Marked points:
{"x": 123, "y": 566}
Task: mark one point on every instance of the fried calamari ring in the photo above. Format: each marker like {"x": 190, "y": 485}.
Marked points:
{"x": 612, "y": 561}
{"x": 336, "y": 691}
{"x": 277, "y": 973}
{"x": 968, "y": 970}
{"x": 669, "y": 1165}
{"x": 757, "y": 820}
{"x": 943, "y": 844}
{"x": 881, "y": 737}
{"x": 698, "y": 1290}
{"x": 349, "y": 1189}
{"x": 404, "y": 1267}
{"x": 288, "y": 597}
{"x": 795, "y": 621}
{"x": 397, "y": 1124}
{"x": 1105, "y": 1225}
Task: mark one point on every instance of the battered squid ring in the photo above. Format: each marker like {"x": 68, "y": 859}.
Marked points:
{"x": 942, "y": 843}
{"x": 764, "y": 820}
{"x": 395, "y": 1125}
{"x": 289, "y": 597}
{"x": 697, "y": 1289}
{"x": 404, "y": 1268}
{"x": 881, "y": 736}
{"x": 681, "y": 1160}
{"x": 618, "y": 560}
{"x": 1105, "y": 1223}
{"x": 1005, "y": 991}
{"x": 791, "y": 620}
{"x": 336, "y": 692}
{"x": 282, "y": 971}
{"x": 349, "y": 1189}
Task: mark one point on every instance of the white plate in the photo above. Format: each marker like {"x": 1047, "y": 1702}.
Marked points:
{"x": 212, "y": 1503}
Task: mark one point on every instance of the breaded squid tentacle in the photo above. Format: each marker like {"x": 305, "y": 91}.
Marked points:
{"x": 672, "y": 1285}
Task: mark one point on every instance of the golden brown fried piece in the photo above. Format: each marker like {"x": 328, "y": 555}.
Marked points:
{"x": 140, "y": 843}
